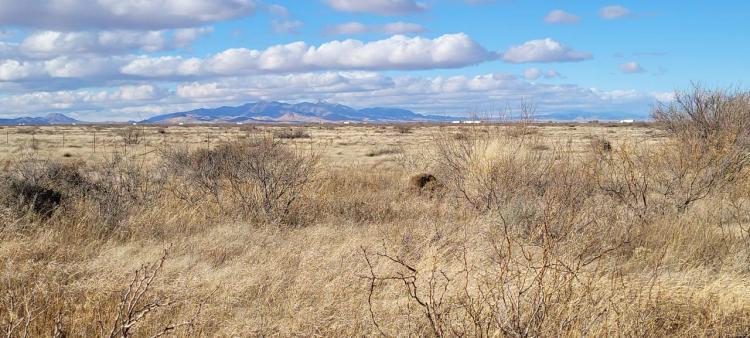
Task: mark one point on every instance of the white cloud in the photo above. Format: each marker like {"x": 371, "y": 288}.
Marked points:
{"x": 164, "y": 66}
{"x": 631, "y": 68}
{"x": 536, "y": 73}
{"x": 13, "y": 70}
{"x": 78, "y": 71}
{"x": 532, "y": 73}
{"x": 397, "y": 52}
{"x": 349, "y": 28}
{"x": 392, "y": 28}
{"x": 664, "y": 96}
{"x": 120, "y": 14}
{"x": 546, "y": 50}
{"x": 81, "y": 68}
{"x": 614, "y": 12}
{"x": 47, "y": 44}
{"x": 185, "y": 37}
{"x": 138, "y": 93}
{"x": 560, "y": 17}
{"x": 383, "y": 7}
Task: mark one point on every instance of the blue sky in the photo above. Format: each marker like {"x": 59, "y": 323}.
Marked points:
{"x": 125, "y": 59}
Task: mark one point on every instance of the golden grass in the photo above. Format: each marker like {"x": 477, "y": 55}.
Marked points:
{"x": 551, "y": 254}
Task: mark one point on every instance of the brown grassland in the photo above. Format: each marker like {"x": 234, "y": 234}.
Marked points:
{"x": 517, "y": 230}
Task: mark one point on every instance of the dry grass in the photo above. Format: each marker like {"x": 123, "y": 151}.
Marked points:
{"x": 543, "y": 233}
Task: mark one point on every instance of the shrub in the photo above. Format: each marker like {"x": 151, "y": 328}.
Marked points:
{"x": 424, "y": 182}
{"x": 121, "y": 185}
{"x": 293, "y": 133}
{"x": 670, "y": 177}
{"x": 40, "y": 186}
{"x": 262, "y": 176}
{"x": 404, "y": 128}
{"x": 600, "y": 144}
{"x": 383, "y": 151}
{"x": 131, "y": 135}
{"x": 707, "y": 114}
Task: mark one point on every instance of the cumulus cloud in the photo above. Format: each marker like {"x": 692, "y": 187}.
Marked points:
{"x": 14, "y": 70}
{"x": 536, "y": 73}
{"x": 56, "y": 72}
{"x": 383, "y": 7}
{"x": 545, "y": 50}
{"x": 120, "y": 14}
{"x": 561, "y": 17}
{"x": 392, "y": 28}
{"x": 614, "y": 12}
{"x": 397, "y": 52}
{"x": 631, "y": 68}
{"x": 53, "y": 43}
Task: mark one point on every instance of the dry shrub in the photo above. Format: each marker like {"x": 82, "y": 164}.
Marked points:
{"x": 261, "y": 177}
{"x": 383, "y": 151}
{"x": 131, "y": 135}
{"x": 488, "y": 172}
{"x": 104, "y": 194}
{"x": 426, "y": 183}
{"x": 372, "y": 197}
{"x": 39, "y": 186}
{"x": 600, "y": 144}
{"x": 122, "y": 186}
{"x": 669, "y": 177}
{"x": 423, "y": 181}
{"x": 135, "y": 310}
{"x": 404, "y": 128}
{"x": 707, "y": 114}
{"x": 291, "y": 133}
{"x": 574, "y": 245}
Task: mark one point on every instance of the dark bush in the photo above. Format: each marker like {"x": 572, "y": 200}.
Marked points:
{"x": 294, "y": 133}
{"x": 41, "y": 186}
{"x": 42, "y": 201}
{"x": 424, "y": 183}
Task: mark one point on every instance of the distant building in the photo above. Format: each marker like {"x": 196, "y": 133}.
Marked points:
{"x": 627, "y": 121}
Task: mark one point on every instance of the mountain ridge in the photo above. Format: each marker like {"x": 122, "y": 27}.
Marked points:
{"x": 275, "y": 112}
{"x": 49, "y": 119}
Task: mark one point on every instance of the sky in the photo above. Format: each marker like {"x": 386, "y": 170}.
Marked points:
{"x": 118, "y": 60}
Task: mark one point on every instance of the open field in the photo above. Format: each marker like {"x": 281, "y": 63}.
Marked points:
{"x": 340, "y": 145}
{"x": 324, "y": 230}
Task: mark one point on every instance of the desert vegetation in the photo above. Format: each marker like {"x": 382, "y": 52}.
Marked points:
{"x": 515, "y": 229}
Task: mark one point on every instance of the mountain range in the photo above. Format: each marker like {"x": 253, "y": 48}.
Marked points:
{"x": 260, "y": 112}
{"x": 279, "y": 112}
{"x": 264, "y": 112}
{"x": 50, "y": 119}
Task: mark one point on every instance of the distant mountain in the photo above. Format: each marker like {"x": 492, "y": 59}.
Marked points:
{"x": 50, "y": 119}
{"x": 284, "y": 112}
